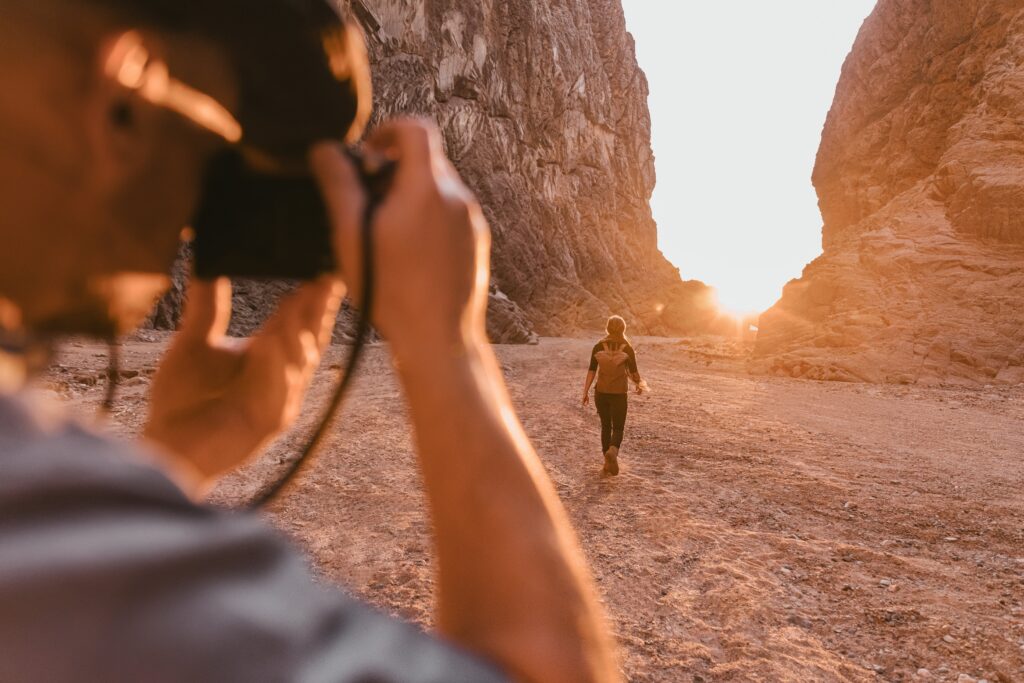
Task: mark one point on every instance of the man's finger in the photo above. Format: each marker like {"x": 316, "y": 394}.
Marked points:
{"x": 415, "y": 143}
{"x": 207, "y": 309}
{"x": 307, "y": 313}
{"x": 345, "y": 199}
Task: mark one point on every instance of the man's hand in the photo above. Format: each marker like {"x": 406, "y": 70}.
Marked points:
{"x": 586, "y": 398}
{"x": 512, "y": 583}
{"x": 432, "y": 244}
{"x": 215, "y": 401}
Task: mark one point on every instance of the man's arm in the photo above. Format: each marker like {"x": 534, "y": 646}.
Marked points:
{"x": 513, "y": 584}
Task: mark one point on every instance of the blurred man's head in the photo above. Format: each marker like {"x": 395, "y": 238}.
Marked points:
{"x": 96, "y": 183}
{"x": 98, "y": 179}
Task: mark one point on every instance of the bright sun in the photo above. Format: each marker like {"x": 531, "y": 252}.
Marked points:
{"x": 743, "y": 298}
{"x": 738, "y": 95}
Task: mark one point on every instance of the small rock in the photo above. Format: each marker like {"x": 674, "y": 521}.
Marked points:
{"x": 951, "y": 539}
{"x": 964, "y": 678}
{"x": 802, "y": 622}
{"x": 948, "y": 639}
{"x": 885, "y": 583}
{"x": 924, "y": 674}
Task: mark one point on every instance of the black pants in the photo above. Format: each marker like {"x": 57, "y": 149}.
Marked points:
{"x": 612, "y": 409}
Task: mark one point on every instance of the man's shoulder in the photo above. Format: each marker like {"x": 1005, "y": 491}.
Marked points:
{"x": 45, "y": 451}
{"x": 88, "y": 523}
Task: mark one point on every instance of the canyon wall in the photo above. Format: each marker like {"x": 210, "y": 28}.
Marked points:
{"x": 544, "y": 112}
{"x": 920, "y": 179}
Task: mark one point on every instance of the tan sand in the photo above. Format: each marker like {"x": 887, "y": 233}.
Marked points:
{"x": 762, "y": 529}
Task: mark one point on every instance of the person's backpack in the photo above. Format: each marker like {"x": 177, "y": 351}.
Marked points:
{"x": 611, "y": 369}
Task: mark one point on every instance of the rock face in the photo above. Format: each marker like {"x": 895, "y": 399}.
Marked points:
{"x": 920, "y": 179}
{"x": 544, "y": 112}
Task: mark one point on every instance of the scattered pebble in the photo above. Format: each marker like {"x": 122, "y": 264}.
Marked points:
{"x": 964, "y": 678}
{"x": 802, "y": 622}
{"x": 951, "y": 539}
{"x": 948, "y": 639}
{"x": 924, "y": 674}
{"x": 885, "y": 583}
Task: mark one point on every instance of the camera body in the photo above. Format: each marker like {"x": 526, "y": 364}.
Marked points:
{"x": 268, "y": 225}
{"x": 260, "y": 225}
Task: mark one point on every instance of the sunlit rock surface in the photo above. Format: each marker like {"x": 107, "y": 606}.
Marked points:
{"x": 920, "y": 179}
{"x": 544, "y": 112}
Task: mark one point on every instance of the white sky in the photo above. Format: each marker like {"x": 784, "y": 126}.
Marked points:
{"x": 739, "y": 94}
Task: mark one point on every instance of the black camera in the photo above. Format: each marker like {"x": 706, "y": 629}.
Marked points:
{"x": 304, "y": 78}
{"x": 260, "y": 225}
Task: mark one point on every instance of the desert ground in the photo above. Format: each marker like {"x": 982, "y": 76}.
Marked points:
{"x": 762, "y": 529}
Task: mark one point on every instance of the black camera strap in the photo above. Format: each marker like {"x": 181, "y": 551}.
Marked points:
{"x": 308, "y": 453}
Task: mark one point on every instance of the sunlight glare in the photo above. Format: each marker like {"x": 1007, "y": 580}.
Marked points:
{"x": 739, "y": 94}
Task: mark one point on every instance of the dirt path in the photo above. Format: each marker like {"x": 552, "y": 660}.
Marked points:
{"x": 761, "y": 530}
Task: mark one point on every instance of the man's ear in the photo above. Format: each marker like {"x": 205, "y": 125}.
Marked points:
{"x": 123, "y": 130}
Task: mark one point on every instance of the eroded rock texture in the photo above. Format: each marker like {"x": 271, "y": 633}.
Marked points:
{"x": 920, "y": 179}
{"x": 544, "y": 112}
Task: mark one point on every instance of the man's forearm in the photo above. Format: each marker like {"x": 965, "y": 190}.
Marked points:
{"x": 513, "y": 585}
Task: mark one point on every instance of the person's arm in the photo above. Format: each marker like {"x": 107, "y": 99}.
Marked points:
{"x": 215, "y": 401}
{"x": 631, "y": 367}
{"x": 513, "y": 585}
{"x": 591, "y": 374}
{"x": 586, "y": 386}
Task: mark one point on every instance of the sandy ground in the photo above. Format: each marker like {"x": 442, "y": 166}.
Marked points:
{"x": 762, "y": 529}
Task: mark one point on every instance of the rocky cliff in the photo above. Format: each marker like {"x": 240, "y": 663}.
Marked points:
{"x": 920, "y": 179}
{"x": 544, "y": 112}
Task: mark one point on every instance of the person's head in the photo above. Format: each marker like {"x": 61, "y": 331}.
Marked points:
{"x": 98, "y": 175}
{"x": 95, "y": 184}
{"x": 616, "y": 328}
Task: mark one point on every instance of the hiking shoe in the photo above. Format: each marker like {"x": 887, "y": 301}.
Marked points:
{"x": 611, "y": 460}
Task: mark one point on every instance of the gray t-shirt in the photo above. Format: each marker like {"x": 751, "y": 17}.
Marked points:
{"x": 109, "y": 573}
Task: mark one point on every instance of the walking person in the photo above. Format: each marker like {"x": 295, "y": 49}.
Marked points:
{"x": 613, "y": 363}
